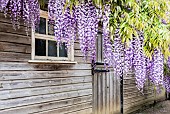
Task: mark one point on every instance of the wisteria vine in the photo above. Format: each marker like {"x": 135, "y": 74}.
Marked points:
{"x": 28, "y": 10}
{"x": 81, "y": 23}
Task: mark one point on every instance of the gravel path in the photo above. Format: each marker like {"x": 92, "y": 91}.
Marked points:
{"x": 159, "y": 108}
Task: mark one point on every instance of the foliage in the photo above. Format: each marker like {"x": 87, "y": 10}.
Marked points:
{"x": 28, "y": 10}
{"x": 131, "y": 16}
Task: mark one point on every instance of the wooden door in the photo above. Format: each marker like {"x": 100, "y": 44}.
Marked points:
{"x": 106, "y": 86}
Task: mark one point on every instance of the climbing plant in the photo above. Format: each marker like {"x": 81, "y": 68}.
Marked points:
{"x": 135, "y": 32}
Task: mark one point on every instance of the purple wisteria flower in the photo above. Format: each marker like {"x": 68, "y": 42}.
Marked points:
{"x": 139, "y": 62}
{"x": 64, "y": 22}
{"x": 118, "y": 55}
{"x": 28, "y": 10}
{"x": 128, "y": 57}
{"x": 166, "y": 83}
{"x": 107, "y": 44}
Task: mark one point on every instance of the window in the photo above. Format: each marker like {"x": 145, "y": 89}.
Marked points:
{"x": 44, "y": 46}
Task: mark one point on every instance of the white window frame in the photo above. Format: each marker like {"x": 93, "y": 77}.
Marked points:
{"x": 70, "y": 50}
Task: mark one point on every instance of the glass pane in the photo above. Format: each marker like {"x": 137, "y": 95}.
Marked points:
{"x": 50, "y": 29}
{"x": 42, "y": 26}
{"x": 62, "y": 50}
{"x": 52, "y": 48}
{"x": 40, "y": 47}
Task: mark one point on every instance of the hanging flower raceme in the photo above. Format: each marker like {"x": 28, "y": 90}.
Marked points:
{"x": 107, "y": 44}
{"x": 28, "y": 10}
{"x": 128, "y": 57}
{"x": 166, "y": 83}
{"x": 87, "y": 26}
{"x": 64, "y": 22}
{"x": 139, "y": 62}
{"x": 157, "y": 68}
{"x": 118, "y": 55}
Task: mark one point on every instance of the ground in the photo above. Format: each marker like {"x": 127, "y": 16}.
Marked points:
{"x": 159, "y": 108}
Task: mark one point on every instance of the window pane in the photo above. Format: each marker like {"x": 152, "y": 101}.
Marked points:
{"x": 52, "y": 48}
{"x": 62, "y": 50}
{"x": 50, "y": 29}
{"x": 42, "y": 26}
{"x": 40, "y": 47}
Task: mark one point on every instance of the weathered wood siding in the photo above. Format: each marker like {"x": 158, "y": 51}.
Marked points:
{"x": 40, "y": 88}
{"x": 133, "y": 99}
{"x": 106, "y": 95}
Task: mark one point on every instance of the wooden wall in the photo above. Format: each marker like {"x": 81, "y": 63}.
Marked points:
{"x": 133, "y": 99}
{"x": 27, "y": 88}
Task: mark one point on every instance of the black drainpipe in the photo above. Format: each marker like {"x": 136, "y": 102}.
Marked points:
{"x": 167, "y": 96}
{"x": 121, "y": 94}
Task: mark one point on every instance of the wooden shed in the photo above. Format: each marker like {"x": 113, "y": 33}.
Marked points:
{"x": 37, "y": 76}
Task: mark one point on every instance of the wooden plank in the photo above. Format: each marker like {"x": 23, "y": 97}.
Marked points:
{"x": 107, "y": 93}
{"x": 84, "y": 111}
{"x": 11, "y": 94}
{"x": 81, "y": 60}
{"x": 17, "y": 57}
{"x": 14, "y": 66}
{"x": 43, "y": 98}
{"x": 77, "y": 46}
{"x": 47, "y": 105}
{"x": 111, "y": 92}
{"x": 13, "y": 47}
{"x": 68, "y": 109}
{"x": 78, "y": 53}
{"x": 138, "y": 94}
{"x": 95, "y": 95}
{"x": 14, "y": 38}
{"x": 7, "y": 19}
{"x": 8, "y": 28}
{"x": 99, "y": 92}
{"x": 118, "y": 95}
{"x": 115, "y": 92}
{"x": 25, "y": 75}
{"x": 134, "y": 108}
{"x": 136, "y": 100}
{"x": 18, "y": 84}
{"x": 103, "y": 94}
{"x": 139, "y": 102}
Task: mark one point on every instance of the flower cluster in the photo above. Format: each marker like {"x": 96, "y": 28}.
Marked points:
{"x": 157, "y": 68}
{"x": 87, "y": 24}
{"x": 107, "y": 44}
{"x": 118, "y": 53}
{"x": 83, "y": 20}
{"x": 28, "y": 10}
{"x": 166, "y": 83}
{"x": 64, "y": 22}
{"x": 139, "y": 62}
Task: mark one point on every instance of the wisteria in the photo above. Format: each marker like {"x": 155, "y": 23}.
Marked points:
{"x": 128, "y": 57}
{"x": 87, "y": 24}
{"x": 118, "y": 53}
{"x": 139, "y": 62}
{"x": 81, "y": 23}
{"x": 166, "y": 83}
{"x": 157, "y": 68}
{"x": 107, "y": 44}
{"x": 28, "y": 10}
{"x": 64, "y": 22}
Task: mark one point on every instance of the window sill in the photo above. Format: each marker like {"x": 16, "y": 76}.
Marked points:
{"x": 51, "y": 62}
